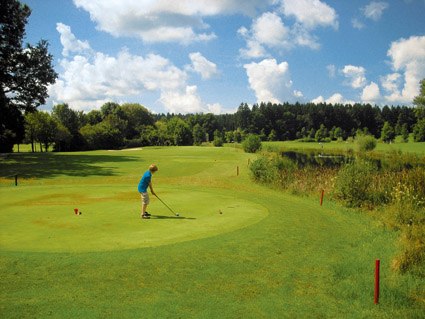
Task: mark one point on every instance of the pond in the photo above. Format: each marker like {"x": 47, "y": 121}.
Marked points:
{"x": 320, "y": 159}
{"x": 317, "y": 159}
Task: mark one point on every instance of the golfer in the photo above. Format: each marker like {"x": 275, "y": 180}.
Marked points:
{"x": 143, "y": 189}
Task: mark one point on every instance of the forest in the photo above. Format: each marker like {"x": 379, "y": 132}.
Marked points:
{"x": 117, "y": 126}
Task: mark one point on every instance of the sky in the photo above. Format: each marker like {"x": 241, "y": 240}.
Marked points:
{"x": 209, "y": 56}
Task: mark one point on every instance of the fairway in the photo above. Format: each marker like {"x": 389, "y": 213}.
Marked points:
{"x": 237, "y": 250}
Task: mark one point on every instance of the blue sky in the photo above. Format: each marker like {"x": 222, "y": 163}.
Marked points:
{"x": 191, "y": 56}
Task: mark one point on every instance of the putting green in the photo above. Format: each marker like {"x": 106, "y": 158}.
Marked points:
{"x": 42, "y": 219}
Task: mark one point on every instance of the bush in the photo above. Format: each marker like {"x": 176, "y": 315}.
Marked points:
{"x": 263, "y": 171}
{"x": 366, "y": 143}
{"x": 353, "y": 182}
{"x": 218, "y": 141}
{"x": 252, "y": 143}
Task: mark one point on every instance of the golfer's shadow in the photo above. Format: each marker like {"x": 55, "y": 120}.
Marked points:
{"x": 170, "y": 217}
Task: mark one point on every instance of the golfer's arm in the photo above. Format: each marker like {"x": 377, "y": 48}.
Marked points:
{"x": 151, "y": 188}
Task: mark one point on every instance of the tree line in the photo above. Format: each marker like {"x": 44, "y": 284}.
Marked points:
{"x": 117, "y": 126}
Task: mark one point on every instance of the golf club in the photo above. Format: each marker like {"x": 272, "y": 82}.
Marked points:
{"x": 177, "y": 214}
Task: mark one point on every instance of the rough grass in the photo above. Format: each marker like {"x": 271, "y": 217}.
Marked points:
{"x": 299, "y": 260}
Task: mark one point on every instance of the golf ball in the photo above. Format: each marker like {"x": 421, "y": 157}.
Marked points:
{"x": 177, "y": 214}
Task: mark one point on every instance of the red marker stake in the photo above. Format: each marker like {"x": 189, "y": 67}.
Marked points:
{"x": 376, "y": 297}
{"x": 321, "y": 197}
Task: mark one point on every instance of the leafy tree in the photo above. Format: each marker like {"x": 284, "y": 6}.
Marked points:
{"x": 419, "y": 128}
{"x": 229, "y": 136}
{"x": 272, "y": 136}
{"x": 93, "y": 117}
{"x": 31, "y": 128}
{"x": 198, "y": 133}
{"x": 321, "y": 133}
{"x": 252, "y": 143}
{"x": 40, "y": 127}
{"x": 180, "y": 132}
{"x": 46, "y": 130}
{"x": 109, "y": 108}
{"x": 387, "y": 133}
{"x": 338, "y": 133}
{"x": 102, "y": 136}
{"x": 62, "y": 137}
{"x": 404, "y": 133}
{"x": 136, "y": 116}
{"x": 69, "y": 118}
{"x": 419, "y": 131}
{"x": 25, "y": 73}
{"x": 419, "y": 102}
{"x": 218, "y": 139}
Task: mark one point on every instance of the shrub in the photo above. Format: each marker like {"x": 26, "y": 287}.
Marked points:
{"x": 365, "y": 143}
{"x": 263, "y": 171}
{"x": 218, "y": 141}
{"x": 353, "y": 182}
{"x": 252, "y": 143}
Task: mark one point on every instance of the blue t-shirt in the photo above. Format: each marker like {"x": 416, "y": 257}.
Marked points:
{"x": 144, "y": 182}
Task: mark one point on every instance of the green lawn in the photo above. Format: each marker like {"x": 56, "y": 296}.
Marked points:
{"x": 267, "y": 255}
{"x": 411, "y": 147}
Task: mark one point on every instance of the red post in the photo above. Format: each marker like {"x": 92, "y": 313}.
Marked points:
{"x": 237, "y": 170}
{"x": 321, "y": 197}
{"x": 376, "y": 297}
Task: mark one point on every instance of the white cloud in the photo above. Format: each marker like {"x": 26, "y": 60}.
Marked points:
{"x": 69, "y": 42}
{"x": 408, "y": 56}
{"x": 185, "y": 101}
{"x": 374, "y": 10}
{"x": 88, "y": 81}
{"x": 215, "y": 108}
{"x": 331, "y": 70}
{"x": 371, "y": 93}
{"x": 269, "y": 29}
{"x": 203, "y": 66}
{"x": 254, "y": 50}
{"x": 270, "y": 81}
{"x": 163, "y": 20}
{"x": 311, "y": 13}
{"x": 335, "y": 98}
{"x": 357, "y": 24}
{"x": 355, "y": 76}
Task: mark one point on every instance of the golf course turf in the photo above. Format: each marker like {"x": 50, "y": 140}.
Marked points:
{"x": 237, "y": 250}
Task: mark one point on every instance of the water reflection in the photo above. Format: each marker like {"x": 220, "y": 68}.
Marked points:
{"x": 317, "y": 159}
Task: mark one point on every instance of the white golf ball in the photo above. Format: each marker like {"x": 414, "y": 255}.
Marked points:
{"x": 177, "y": 214}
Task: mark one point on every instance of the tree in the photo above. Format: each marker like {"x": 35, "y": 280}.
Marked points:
{"x": 419, "y": 102}
{"x": 198, "y": 134}
{"x": 218, "y": 139}
{"x": 419, "y": 128}
{"x": 69, "y": 118}
{"x": 321, "y": 133}
{"x": 25, "y": 73}
{"x": 252, "y": 143}
{"x": 136, "y": 116}
{"x": 404, "y": 133}
{"x": 387, "y": 133}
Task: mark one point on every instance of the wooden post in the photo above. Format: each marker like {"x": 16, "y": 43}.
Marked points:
{"x": 237, "y": 170}
{"x": 16, "y": 180}
{"x": 376, "y": 296}
{"x": 321, "y": 197}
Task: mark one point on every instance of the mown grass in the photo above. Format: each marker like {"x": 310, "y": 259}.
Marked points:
{"x": 300, "y": 260}
{"x": 346, "y": 146}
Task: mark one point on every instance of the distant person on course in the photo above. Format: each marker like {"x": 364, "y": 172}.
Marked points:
{"x": 143, "y": 189}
